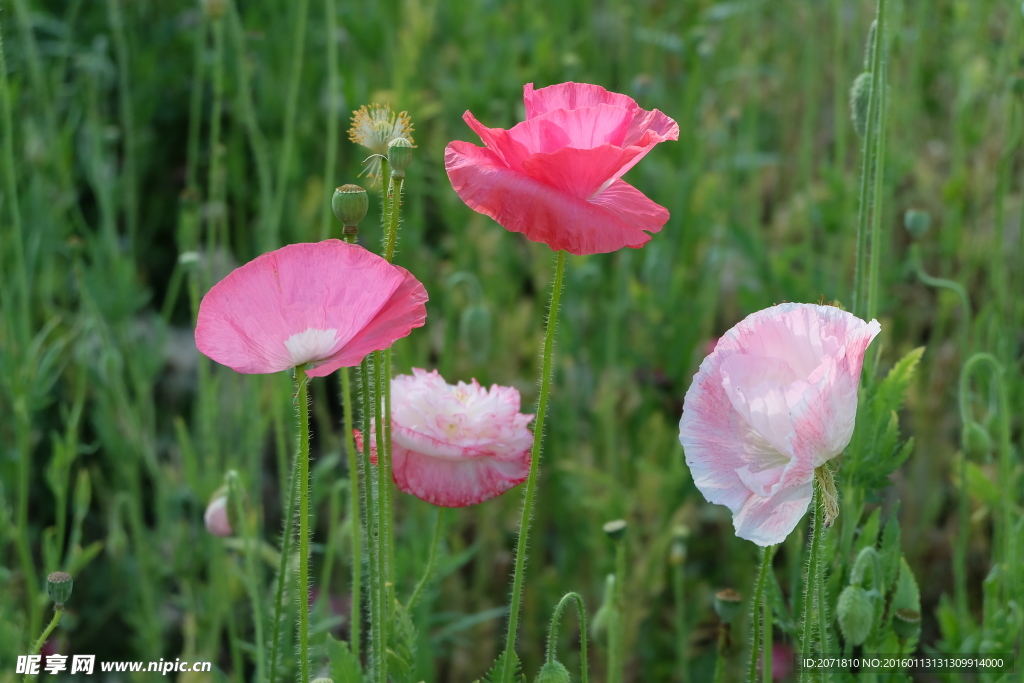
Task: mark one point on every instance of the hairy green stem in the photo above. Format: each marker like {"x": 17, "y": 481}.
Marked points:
{"x": 302, "y": 386}
{"x": 372, "y": 478}
{"x": 531, "y": 481}
{"x": 556, "y": 619}
{"x": 331, "y": 137}
{"x": 766, "y": 564}
{"x": 287, "y": 532}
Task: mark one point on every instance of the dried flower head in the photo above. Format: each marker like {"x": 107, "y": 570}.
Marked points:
{"x": 373, "y": 127}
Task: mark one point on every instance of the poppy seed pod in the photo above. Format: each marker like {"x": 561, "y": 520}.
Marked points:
{"x": 399, "y": 156}
{"x": 854, "y": 612}
{"x": 59, "y": 585}
{"x": 615, "y": 529}
{"x": 728, "y": 604}
{"x": 350, "y": 204}
{"x": 917, "y": 222}
{"x": 906, "y": 623}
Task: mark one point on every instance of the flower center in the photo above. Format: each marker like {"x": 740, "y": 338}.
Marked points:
{"x": 311, "y": 346}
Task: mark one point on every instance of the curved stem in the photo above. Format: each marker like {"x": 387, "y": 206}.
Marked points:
{"x": 429, "y": 571}
{"x": 553, "y": 631}
{"x": 58, "y": 612}
{"x": 766, "y": 563}
{"x": 531, "y": 481}
{"x": 943, "y": 283}
{"x": 302, "y": 385}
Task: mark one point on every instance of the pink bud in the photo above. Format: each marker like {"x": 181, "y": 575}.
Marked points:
{"x": 216, "y": 517}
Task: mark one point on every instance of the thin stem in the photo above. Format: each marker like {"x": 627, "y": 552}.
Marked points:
{"x": 371, "y": 478}
{"x": 253, "y": 586}
{"x": 129, "y": 176}
{"x": 213, "y": 193}
{"x": 805, "y": 634}
{"x": 556, "y": 618}
{"x": 330, "y": 161}
{"x": 287, "y": 532}
{"x": 879, "y": 81}
{"x": 356, "y": 517}
{"x": 766, "y": 658}
{"x": 616, "y": 658}
{"x": 428, "y": 573}
{"x": 394, "y": 201}
{"x": 678, "y": 590}
{"x": 531, "y": 481}
{"x": 766, "y": 564}
{"x": 383, "y": 516}
{"x": 723, "y": 644}
{"x": 58, "y": 612}
{"x": 302, "y": 385}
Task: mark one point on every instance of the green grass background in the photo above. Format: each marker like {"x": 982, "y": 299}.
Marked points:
{"x": 140, "y": 131}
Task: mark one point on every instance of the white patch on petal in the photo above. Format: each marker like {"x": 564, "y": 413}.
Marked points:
{"x": 311, "y": 346}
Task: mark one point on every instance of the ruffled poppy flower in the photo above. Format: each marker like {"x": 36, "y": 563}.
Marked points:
{"x": 556, "y": 177}
{"x": 776, "y": 399}
{"x": 326, "y": 304}
{"x": 458, "y": 445}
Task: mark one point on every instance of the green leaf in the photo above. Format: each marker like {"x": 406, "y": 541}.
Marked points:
{"x": 889, "y": 393}
{"x": 345, "y": 667}
{"x": 402, "y": 646}
{"x": 494, "y": 675}
{"x": 891, "y": 553}
{"x": 868, "y": 534}
{"x": 907, "y": 595}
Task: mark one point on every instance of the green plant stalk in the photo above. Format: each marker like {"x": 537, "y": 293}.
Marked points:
{"x": 616, "y": 654}
{"x": 58, "y": 612}
{"x": 354, "y": 513}
{"x": 766, "y": 564}
{"x": 214, "y": 185}
{"x": 943, "y": 283}
{"x": 195, "y": 111}
{"x": 330, "y": 159}
{"x": 287, "y": 532}
{"x": 371, "y": 478}
{"x": 556, "y": 618}
{"x": 682, "y": 638}
{"x": 428, "y": 573}
{"x": 811, "y": 591}
{"x": 766, "y": 675}
{"x": 270, "y": 238}
{"x": 253, "y": 587}
{"x": 531, "y": 481}
{"x": 860, "y": 297}
{"x": 301, "y": 386}
{"x": 129, "y": 182}
{"x": 723, "y": 641}
{"x": 383, "y": 517}
{"x": 879, "y": 81}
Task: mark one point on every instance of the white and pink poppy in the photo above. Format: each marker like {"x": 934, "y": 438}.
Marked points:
{"x": 776, "y": 399}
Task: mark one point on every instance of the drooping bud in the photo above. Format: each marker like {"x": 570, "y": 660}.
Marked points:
{"x": 59, "y": 585}
{"x": 906, "y": 623}
{"x": 350, "y": 205}
{"x": 917, "y": 222}
{"x": 399, "y": 156}
{"x": 615, "y": 529}
{"x": 860, "y": 99}
{"x": 216, "y": 516}
{"x": 854, "y": 612}
{"x": 728, "y": 604}
{"x": 553, "y": 672}
{"x": 977, "y": 439}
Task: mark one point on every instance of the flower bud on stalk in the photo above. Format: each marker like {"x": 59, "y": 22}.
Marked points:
{"x": 399, "y": 156}
{"x": 854, "y": 614}
{"x": 906, "y": 623}
{"x": 553, "y": 672}
{"x": 615, "y": 529}
{"x": 728, "y": 604}
{"x": 860, "y": 98}
{"x": 917, "y": 222}
{"x": 59, "y": 585}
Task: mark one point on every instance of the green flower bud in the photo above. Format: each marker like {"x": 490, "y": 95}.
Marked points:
{"x": 728, "y": 604}
{"x": 553, "y": 672}
{"x": 917, "y": 222}
{"x": 860, "y": 98}
{"x": 977, "y": 439}
{"x": 59, "y": 585}
{"x": 399, "y": 156}
{"x": 855, "y": 614}
{"x": 350, "y": 204}
{"x": 615, "y": 529}
{"x": 906, "y": 623}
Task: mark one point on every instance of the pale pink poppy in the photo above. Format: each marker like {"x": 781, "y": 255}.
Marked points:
{"x": 324, "y": 305}
{"x": 458, "y": 445}
{"x": 216, "y": 517}
{"x": 776, "y": 399}
{"x": 556, "y": 177}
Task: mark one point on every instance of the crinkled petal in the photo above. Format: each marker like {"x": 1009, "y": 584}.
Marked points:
{"x": 456, "y": 482}
{"x": 583, "y": 128}
{"x": 617, "y": 217}
{"x": 570, "y": 96}
{"x": 767, "y": 521}
{"x": 580, "y": 172}
{"x": 650, "y": 128}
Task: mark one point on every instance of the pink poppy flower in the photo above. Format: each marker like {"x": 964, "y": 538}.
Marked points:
{"x": 327, "y": 304}
{"x": 776, "y": 399}
{"x": 556, "y": 177}
{"x": 459, "y": 445}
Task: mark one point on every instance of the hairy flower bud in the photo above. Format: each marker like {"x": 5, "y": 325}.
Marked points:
{"x": 553, "y": 672}
{"x": 854, "y": 613}
{"x": 59, "y": 585}
{"x": 728, "y": 604}
{"x": 399, "y": 156}
{"x": 350, "y": 204}
{"x": 860, "y": 98}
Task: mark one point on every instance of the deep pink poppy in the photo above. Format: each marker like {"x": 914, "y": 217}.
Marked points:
{"x": 326, "y": 304}
{"x": 775, "y": 399}
{"x": 556, "y": 177}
